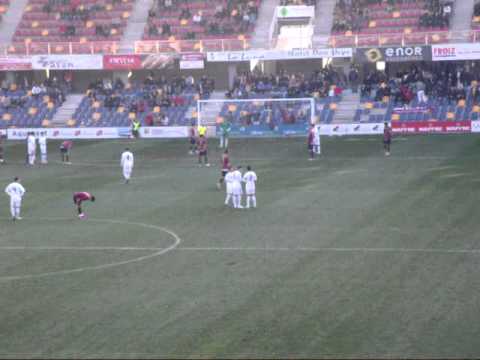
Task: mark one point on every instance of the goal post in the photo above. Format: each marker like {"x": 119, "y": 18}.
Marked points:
{"x": 259, "y": 117}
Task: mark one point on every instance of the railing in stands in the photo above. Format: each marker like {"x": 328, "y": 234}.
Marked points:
{"x": 115, "y": 47}
{"x": 154, "y": 47}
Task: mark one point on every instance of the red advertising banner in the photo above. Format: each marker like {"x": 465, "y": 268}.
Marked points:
{"x": 122, "y": 62}
{"x": 431, "y": 127}
{"x": 15, "y": 63}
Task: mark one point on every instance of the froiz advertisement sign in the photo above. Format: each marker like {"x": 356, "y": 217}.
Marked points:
{"x": 453, "y": 52}
{"x": 394, "y": 54}
{"x": 67, "y": 62}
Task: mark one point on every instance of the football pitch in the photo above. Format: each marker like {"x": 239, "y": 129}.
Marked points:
{"x": 352, "y": 255}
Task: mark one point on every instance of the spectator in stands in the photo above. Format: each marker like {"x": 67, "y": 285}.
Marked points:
{"x": 36, "y": 91}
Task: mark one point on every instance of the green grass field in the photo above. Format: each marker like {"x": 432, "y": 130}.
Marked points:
{"x": 353, "y": 255}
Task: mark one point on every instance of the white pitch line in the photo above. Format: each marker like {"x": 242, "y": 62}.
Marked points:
{"x": 160, "y": 252}
{"x": 79, "y": 248}
{"x": 448, "y": 176}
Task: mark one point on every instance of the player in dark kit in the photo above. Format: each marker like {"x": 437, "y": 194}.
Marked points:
{"x": 225, "y": 168}
{"x": 202, "y": 150}
{"x": 387, "y": 138}
{"x": 192, "y": 139}
{"x": 80, "y": 197}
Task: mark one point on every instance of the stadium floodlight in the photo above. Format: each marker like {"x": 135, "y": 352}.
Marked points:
{"x": 259, "y": 117}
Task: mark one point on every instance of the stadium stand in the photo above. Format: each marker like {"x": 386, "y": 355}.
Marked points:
{"x": 438, "y": 92}
{"x": 420, "y": 21}
{"x": 202, "y": 20}
{"x": 476, "y": 17}
{"x": 73, "y": 21}
{"x": 155, "y": 102}
{"x": 4, "y": 4}
{"x": 29, "y": 108}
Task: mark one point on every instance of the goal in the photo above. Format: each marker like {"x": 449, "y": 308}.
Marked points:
{"x": 259, "y": 117}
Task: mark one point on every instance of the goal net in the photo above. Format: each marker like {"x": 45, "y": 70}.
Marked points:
{"x": 258, "y": 117}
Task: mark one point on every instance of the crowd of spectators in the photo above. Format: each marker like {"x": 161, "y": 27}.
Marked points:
{"x": 321, "y": 83}
{"x": 15, "y": 95}
{"x": 237, "y": 16}
{"x": 354, "y": 15}
{"x": 436, "y": 80}
{"x": 74, "y": 10}
{"x": 152, "y": 92}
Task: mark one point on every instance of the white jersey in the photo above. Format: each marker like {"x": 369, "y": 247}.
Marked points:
{"x": 229, "y": 182}
{"x": 237, "y": 182}
{"x": 15, "y": 190}
{"x": 42, "y": 141}
{"x": 127, "y": 159}
{"x": 249, "y": 179}
{"x": 31, "y": 143}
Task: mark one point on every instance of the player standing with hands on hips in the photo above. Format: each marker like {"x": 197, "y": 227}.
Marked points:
{"x": 127, "y": 164}
{"x": 16, "y": 191}
{"x": 42, "y": 141}
{"x": 250, "y": 178}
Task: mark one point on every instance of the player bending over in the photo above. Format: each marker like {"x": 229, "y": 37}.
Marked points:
{"x": 127, "y": 164}
{"x": 65, "y": 148}
{"x": 80, "y": 197}
{"x": 250, "y": 178}
{"x": 237, "y": 188}
{"x": 387, "y": 139}
{"x": 225, "y": 168}
{"x": 16, "y": 191}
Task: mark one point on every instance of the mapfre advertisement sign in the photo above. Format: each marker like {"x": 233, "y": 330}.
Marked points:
{"x": 122, "y": 62}
{"x": 431, "y": 127}
{"x": 67, "y": 62}
{"x": 351, "y": 129}
{"x": 456, "y": 52}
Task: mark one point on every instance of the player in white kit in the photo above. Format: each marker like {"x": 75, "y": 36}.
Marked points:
{"x": 31, "y": 148}
{"x": 250, "y": 178}
{"x": 16, "y": 191}
{"x": 127, "y": 164}
{"x": 42, "y": 142}
{"x": 237, "y": 188}
{"x": 316, "y": 139}
{"x": 229, "y": 185}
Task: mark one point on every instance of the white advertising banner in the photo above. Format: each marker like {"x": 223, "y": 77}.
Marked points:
{"x": 351, "y": 129}
{"x": 452, "y": 52}
{"x": 67, "y": 62}
{"x": 192, "y": 61}
{"x": 295, "y": 11}
{"x": 232, "y": 56}
{"x": 475, "y": 126}
{"x": 164, "y": 132}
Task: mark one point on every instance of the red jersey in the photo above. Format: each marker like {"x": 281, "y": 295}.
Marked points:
{"x": 225, "y": 162}
{"x": 67, "y": 144}
{"x": 387, "y": 134}
{"x": 311, "y": 137}
{"x": 78, "y": 197}
{"x": 202, "y": 144}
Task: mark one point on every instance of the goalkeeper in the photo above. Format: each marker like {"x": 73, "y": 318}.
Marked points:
{"x": 225, "y": 128}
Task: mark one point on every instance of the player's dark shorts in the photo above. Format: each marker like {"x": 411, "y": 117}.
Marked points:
{"x": 202, "y": 153}
{"x": 192, "y": 141}
{"x": 310, "y": 147}
{"x": 387, "y": 142}
{"x": 224, "y": 173}
{"x": 63, "y": 150}
{"x": 75, "y": 200}
{"x": 135, "y": 133}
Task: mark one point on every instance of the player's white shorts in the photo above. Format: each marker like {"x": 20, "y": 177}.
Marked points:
{"x": 15, "y": 202}
{"x": 237, "y": 189}
{"x": 250, "y": 189}
{"x": 43, "y": 149}
{"x": 229, "y": 189}
{"x": 31, "y": 150}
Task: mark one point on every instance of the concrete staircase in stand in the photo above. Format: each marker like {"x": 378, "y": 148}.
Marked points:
{"x": 323, "y": 22}
{"x": 462, "y": 18}
{"x": 136, "y": 24}
{"x": 260, "y": 37}
{"x": 66, "y": 111}
{"x": 10, "y": 20}
{"x": 348, "y": 106}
